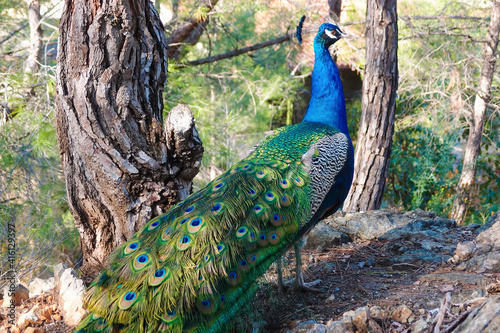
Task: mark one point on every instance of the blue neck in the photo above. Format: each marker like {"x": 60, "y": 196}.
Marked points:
{"x": 327, "y": 105}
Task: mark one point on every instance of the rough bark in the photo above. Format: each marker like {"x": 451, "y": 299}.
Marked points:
{"x": 473, "y": 146}
{"x": 119, "y": 170}
{"x": 36, "y": 34}
{"x": 378, "y": 102}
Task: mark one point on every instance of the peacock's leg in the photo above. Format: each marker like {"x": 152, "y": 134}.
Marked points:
{"x": 281, "y": 282}
{"x": 298, "y": 284}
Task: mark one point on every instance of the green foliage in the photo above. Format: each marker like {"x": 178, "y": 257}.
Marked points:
{"x": 421, "y": 171}
{"x": 237, "y": 99}
{"x": 32, "y": 189}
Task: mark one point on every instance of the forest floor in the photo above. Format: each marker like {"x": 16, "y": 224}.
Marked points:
{"x": 360, "y": 274}
{"x": 398, "y": 293}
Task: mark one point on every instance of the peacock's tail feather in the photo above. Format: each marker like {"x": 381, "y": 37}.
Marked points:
{"x": 194, "y": 267}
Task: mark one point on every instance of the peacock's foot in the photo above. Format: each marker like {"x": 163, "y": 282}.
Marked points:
{"x": 297, "y": 285}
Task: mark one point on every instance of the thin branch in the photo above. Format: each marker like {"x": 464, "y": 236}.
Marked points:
{"x": 9, "y": 36}
{"x": 446, "y": 17}
{"x": 237, "y": 52}
{"x": 185, "y": 29}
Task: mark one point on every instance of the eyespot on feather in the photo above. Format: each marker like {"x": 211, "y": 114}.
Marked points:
{"x": 189, "y": 209}
{"x": 153, "y": 224}
{"x": 131, "y": 247}
{"x": 169, "y": 317}
{"x": 167, "y": 234}
{"x": 219, "y": 249}
{"x": 243, "y": 265}
{"x": 275, "y": 236}
{"x": 298, "y": 181}
{"x": 251, "y": 193}
{"x": 207, "y": 306}
{"x": 141, "y": 261}
{"x": 270, "y": 196}
{"x": 277, "y": 219}
{"x": 184, "y": 242}
{"x": 241, "y": 232}
{"x": 159, "y": 276}
{"x": 127, "y": 300}
{"x": 234, "y": 278}
{"x": 195, "y": 225}
{"x": 285, "y": 201}
{"x": 262, "y": 240}
{"x": 284, "y": 184}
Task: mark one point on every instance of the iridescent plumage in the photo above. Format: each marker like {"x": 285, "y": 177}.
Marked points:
{"x": 193, "y": 268}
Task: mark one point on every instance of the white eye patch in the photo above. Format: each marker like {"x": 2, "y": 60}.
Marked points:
{"x": 330, "y": 34}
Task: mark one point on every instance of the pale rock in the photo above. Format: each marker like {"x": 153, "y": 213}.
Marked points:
{"x": 464, "y": 251}
{"x": 39, "y": 286}
{"x": 71, "y": 292}
{"x": 419, "y": 326}
{"x": 401, "y": 314}
{"x": 338, "y": 327}
{"x": 358, "y": 318}
{"x": 28, "y": 318}
{"x": 58, "y": 270}
{"x": 378, "y": 313}
{"x": 32, "y": 330}
{"x": 330, "y": 299}
{"x": 309, "y": 326}
{"x": 324, "y": 236}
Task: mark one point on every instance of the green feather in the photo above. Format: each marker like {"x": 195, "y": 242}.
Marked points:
{"x": 194, "y": 267}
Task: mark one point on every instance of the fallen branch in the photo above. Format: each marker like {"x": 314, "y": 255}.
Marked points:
{"x": 238, "y": 52}
{"x": 458, "y": 321}
{"x": 442, "y": 311}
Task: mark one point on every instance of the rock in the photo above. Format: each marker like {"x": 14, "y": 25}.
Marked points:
{"x": 325, "y": 236}
{"x": 16, "y": 294}
{"x": 401, "y": 314}
{"x": 464, "y": 251}
{"x": 58, "y": 270}
{"x": 358, "y": 318}
{"x": 338, "y": 327}
{"x": 330, "y": 299}
{"x": 32, "y": 330}
{"x": 419, "y": 326}
{"x": 491, "y": 236}
{"x": 309, "y": 326}
{"x": 484, "y": 319}
{"x": 367, "y": 225}
{"x": 71, "y": 291}
{"x": 378, "y": 313}
{"x": 28, "y": 318}
{"x": 39, "y": 286}
{"x": 428, "y": 227}
{"x": 482, "y": 254}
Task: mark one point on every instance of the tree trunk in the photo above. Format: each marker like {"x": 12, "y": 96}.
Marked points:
{"x": 378, "y": 103}
{"x": 335, "y": 8}
{"x": 121, "y": 167}
{"x": 36, "y": 34}
{"x": 473, "y": 147}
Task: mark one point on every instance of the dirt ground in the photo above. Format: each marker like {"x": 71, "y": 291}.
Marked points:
{"x": 352, "y": 275}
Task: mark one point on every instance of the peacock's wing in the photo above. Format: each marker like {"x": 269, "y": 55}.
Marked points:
{"x": 194, "y": 267}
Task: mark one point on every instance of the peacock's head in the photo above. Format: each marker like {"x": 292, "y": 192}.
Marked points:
{"x": 328, "y": 34}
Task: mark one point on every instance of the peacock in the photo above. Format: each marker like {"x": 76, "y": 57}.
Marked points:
{"x": 193, "y": 268}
